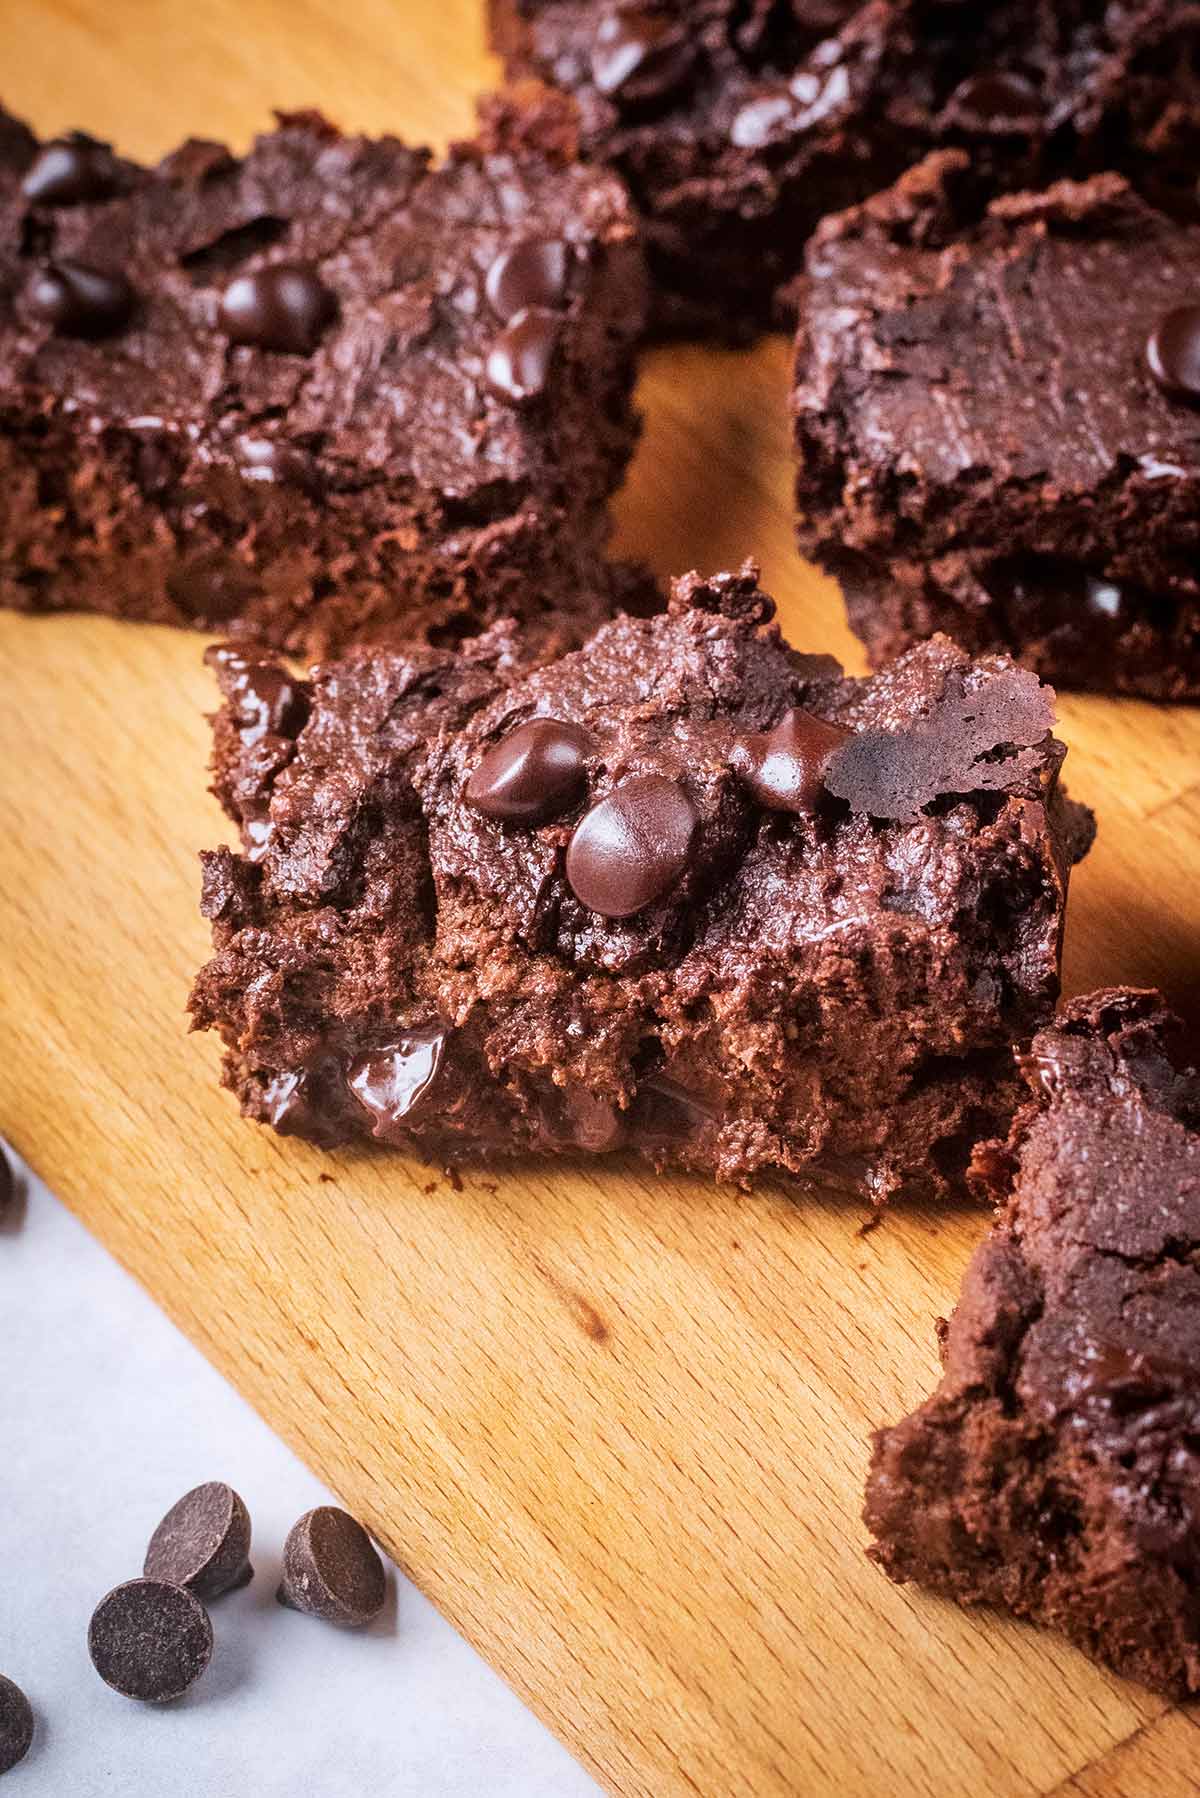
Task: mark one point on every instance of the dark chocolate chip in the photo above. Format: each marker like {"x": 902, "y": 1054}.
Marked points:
{"x": 331, "y": 1569}
{"x": 998, "y": 99}
{"x": 519, "y": 364}
{"x": 80, "y": 301}
{"x": 285, "y": 307}
{"x": 533, "y": 273}
{"x": 391, "y": 1083}
{"x": 16, "y": 1724}
{"x": 150, "y": 1640}
{"x": 282, "y": 464}
{"x": 265, "y": 698}
{"x": 1173, "y": 353}
{"x": 639, "y": 55}
{"x": 666, "y": 1113}
{"x": 535, "y": 772}
{"x": 203, "y": 1542}
{"x": 632, "y": 846}
{"x": 783, "y": 768}
{"x": 67, "y": 171}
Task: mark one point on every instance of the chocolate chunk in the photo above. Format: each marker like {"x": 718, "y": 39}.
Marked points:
{"x": 67, "y": 171}
{"x": 390, "y": 1083}
{"x": 632, "y": 846}
{"x": 533, "y": 273}
{"x": 1173, "y": 353}
{"x": 534, "y": 773}
{"x": 285, "y": 307}
{"x": 16, "y": 1724}
{"x": 521, "y": 358}
{"x": 150, "y": 1640}
{"x": 639, "y": 56}
{"x": 998, "y": 100}
{"x": 331, "y": 1569}
{"x": 267, "y": 701}
{"x": 784, "y": 767}
{"x": 203, "y": 1542}
{"x": 667, "y": 1113}
{"x": 80, "y": 301}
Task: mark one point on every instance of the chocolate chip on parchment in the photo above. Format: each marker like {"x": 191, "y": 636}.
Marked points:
{"x": 203, "y": 1542}
{"x": 331, "y": 1569}
{"x": 16, "y": 1724}
{"x": 150, "y": 1639}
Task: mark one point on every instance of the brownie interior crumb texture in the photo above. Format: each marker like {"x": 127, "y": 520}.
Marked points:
{"x": 683, "y": 892}
{"x": 323, "y": 391}
{"x": 997, "y": 430}
{"x": 1056, "y": 1470}
{"x": 739, "y": 123}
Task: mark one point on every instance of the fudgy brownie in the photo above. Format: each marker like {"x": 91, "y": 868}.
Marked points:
{"x": 684, "y": 891}
{"x": 996, "y": 427}
{"x": 739, "y": 123}
{"x": 1056, "y": 1470}
{"x": 319, "y": 391}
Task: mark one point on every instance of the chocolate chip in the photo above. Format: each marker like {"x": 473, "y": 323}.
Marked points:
{"x": 331, "y": 1569}
{"x": 391, "y": 1083}
{"x": 1173, "y": 353}
{"x": 521, "y": 358}
{"x": 639, "y": 55}
{"x": 632, "y": 846}
{"x": 666, "y": 1113}
{"x": 535, "y": 772}
{"x": 150, "y": 1640}
{"x": 16, "y": 1724}
{"x": 203, "y": 1542}
{"x": 80, "y": 301}
{"x": 784, "y": 767}
{"x": 68, "y": 171}
{"x": 998, "y": 99}
{"x": 285, "y": 307}
{"x": 265, "y": 699}
{"x": 533, "y": 273}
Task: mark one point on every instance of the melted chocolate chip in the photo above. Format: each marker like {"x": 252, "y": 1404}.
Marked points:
{"x": 639, "y": 55}
{"x": 533, "y": 273}
{"x": 16, "y": 1724}
{"x": 1173, "y": 353}
{"x": 285, "y": 308}
{"x": 391, "y": 1083}
{"x": 79, "y": 301}
{"x": 997, "y": 100}
{"x": 264, "y": 697}
{"x": 534, "y": 773}
{"x": 203, "y": 1542}
{"x": 521, "y": 358}
{"x": 331, "y": 1569}
{"x": 150, "y": 1640}
{"x": 784, "y": 767}
{"x": 632, "y": 846}
{"x": 68, "y": 171}
{"x": 666, "y": 1113}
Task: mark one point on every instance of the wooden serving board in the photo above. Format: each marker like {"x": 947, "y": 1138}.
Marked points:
{"x": 615, "y": 1426}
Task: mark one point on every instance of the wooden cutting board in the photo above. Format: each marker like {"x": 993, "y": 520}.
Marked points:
{"x": 615, "y": 1426}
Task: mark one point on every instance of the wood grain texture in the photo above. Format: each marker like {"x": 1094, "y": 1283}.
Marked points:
{"x": 615, "y": 1427}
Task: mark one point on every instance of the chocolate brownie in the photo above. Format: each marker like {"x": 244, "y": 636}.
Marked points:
{"x": 684, "y": 892}
{"x": 996, "y": 428}
{"x": 326, "y": 389}
{"x": 1056, "y": 1469}
{"x": 739, "y": 123}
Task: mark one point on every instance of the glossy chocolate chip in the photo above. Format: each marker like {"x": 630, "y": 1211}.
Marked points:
{"x": 667, "y": 1113}
{"x": 783, "y": 767}
{"x": 391, "y": 1083}
{"x": 331, "y": 1569}
{"x": 1173, "y": 353}
{"x": 16, "y": 1724}
{"x": 79, "y": 301}
{"x": 639, "y": 55}
{"x": 264, "y": 698}
{"x": 285, "y": 308}
{"x": 632, "y": 846}
{"x": 150, "y": 1640}
{"x": 68, "y": 171}
{"x": 533, "y": 273}
{"x": 534, "y": 773}
{"x": 203, "y": 1542}
{"x": 519, "y": 364}
{"x": 996, "y": 99}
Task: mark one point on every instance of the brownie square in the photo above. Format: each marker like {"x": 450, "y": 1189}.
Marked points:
{"x": 1056, "y": 1469}
{"x": 739, "y": 123}
{"x": 684, "y": 892}
{"x": 984, "y": 447}
{"x": 325, "y": 390}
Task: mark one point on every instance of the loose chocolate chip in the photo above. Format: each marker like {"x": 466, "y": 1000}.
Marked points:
{"x": 1173, "y": 353}
{"x": 997, "y": 100}
{"x": 68, "y": 171}
{"x": 535, "y": 772}
{"x": 150, "y": 1640}
{"x": 391, "y": 1083}
{"x": 285, "y": 307}
{"x": 533, "y": 273}
{"x": 80, "y": 301}
{"x": 266, "y": 700}
{"x": 521, "y": 358}
{"x": 203, "y": 1542}
{"x": 639, "y": 55}
{"x": 632, "y": 846}
{"x": 783, "y": 768}
{"x": 16, "y": 1724}
{"x": 331, "y": 1569}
